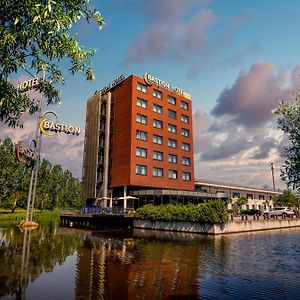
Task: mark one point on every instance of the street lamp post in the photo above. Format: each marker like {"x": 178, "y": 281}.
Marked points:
{"x": 272, "y": 171}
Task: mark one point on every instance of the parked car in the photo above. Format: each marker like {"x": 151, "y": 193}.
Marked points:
{"x": 279, "y": 211}
{"x": 251, "y": 212}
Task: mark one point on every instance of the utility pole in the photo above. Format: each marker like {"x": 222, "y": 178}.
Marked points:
{"x": 272, "y": 171}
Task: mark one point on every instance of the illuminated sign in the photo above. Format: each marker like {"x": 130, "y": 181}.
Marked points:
{"x": 112, "y": 84}
{"x": 26, "y": 153}
{"x": 49, "y": 128}
{"x": 28, "y": 84}
{"x": 149, "y": 79}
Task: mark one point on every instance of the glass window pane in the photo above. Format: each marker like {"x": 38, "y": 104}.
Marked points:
{"x": 141, "y": 170}
{"x": 172, "y": 114}
{"x": 157, "y": 108}
{"x": 157, "y": 139}
{"x": 141, "y": 102}
{"x": 172, "y": 128}
{"x": 141, "y": 152}
{"x": 157, "y": 124}
{"x": 141, "y": 135}
{"x": 157, "y": 94}
{"x": 141, "y": 87}
{"x": 171, "y": 100}
{"x": 184, "y": 105}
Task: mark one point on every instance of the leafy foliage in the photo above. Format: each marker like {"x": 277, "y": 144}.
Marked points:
{"x": 287, "y": 198}
{"x": 212, "y": 212}
{"x": 34, "y": 37}
{"x": 240, "y": 202}
{"x": 289, "y": 123}
{"x": 55, "y": 187}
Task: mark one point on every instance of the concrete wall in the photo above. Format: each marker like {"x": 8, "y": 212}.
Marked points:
{"x": 231, "y": 227}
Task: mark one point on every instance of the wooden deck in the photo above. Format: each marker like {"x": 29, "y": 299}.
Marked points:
{"x": 95, "y": 220}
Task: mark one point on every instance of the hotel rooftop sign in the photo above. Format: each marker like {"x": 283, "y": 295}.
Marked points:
{"x": 150, "y": 79}
{"x": 112, "y": 84}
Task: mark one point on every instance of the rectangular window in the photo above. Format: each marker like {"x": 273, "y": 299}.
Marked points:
{"x": 185, "y": 147}
{"x": 157, "y": 139}
{"x": 141, "y": 119}
{"x": 261, "y": 197}
{"x": 186, "y": 161}
{"x": 140, "y": 170}
{"x": 172, "y": 128}
{"x": 184, "y": 118}
{"x": 141, "y": 87}
{"x": 249, "y": 196}
{"x": 184, "y": 105}
{"x": 172, "y": 143}
{"x": 171, "y": 100}
{"x": 141, "y": 102}
{"x": 157, "y": 155}
{"x": 186, "y": 176}
{"x": 173, "y": 174}
{"x": 157, "y": 124}
{"x": 173, "y": 158}
{"x": 185, "y": 132}
{"x": 157, "y": 94}
{"x": 172, "y": 114}
{"x": 158, "y": 172}
{"x": 236, "y": 195}
{"x": 141, "y": 135}
{"x": 141, "y": 152}
{"x": 157, "y": 108}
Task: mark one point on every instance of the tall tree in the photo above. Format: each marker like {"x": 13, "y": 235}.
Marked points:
{"x": 34, "y": 37}
{"x": 14, "y": 178}
{"x": 57, "y": 187}
{"x": 289, "y": 123}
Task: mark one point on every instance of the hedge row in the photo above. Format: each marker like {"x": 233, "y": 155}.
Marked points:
{"x": 213, "y": 212}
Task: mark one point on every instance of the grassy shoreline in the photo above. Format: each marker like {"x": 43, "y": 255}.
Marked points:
{"x": 20, "y": 214}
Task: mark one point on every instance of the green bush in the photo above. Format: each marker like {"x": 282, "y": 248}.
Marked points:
{"x": 212, "y": 212}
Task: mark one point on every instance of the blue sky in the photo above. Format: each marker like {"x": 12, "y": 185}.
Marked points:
{"x": 235, "y": 57}
{"x": 239, "y": 34}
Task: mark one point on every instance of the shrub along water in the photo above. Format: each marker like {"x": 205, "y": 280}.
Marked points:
{"x": 212, "y": 212}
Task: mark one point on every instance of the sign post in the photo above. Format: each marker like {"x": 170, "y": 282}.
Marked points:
{"x": 36, "y": 161}
{"x": 44, "y": 127}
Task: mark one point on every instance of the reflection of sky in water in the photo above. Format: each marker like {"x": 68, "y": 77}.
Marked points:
{"x": 59, "y": 283}
{"x": 262, "y": 265}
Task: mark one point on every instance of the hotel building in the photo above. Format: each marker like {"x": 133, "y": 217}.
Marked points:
{"x": 139, "y": 144}
{"x": 138, "y": 137}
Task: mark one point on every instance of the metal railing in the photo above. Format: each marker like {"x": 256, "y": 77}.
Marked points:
{"x": 107, "y": 210}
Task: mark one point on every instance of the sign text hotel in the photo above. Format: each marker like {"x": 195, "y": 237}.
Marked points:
{"x": 28, "y": 84}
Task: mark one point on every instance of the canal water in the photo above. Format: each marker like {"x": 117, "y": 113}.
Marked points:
{"x": 52, "y": 262}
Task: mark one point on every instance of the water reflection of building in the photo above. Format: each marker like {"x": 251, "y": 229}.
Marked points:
{"x": 109, "y": 268}
{"x": 100, "y": 264}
